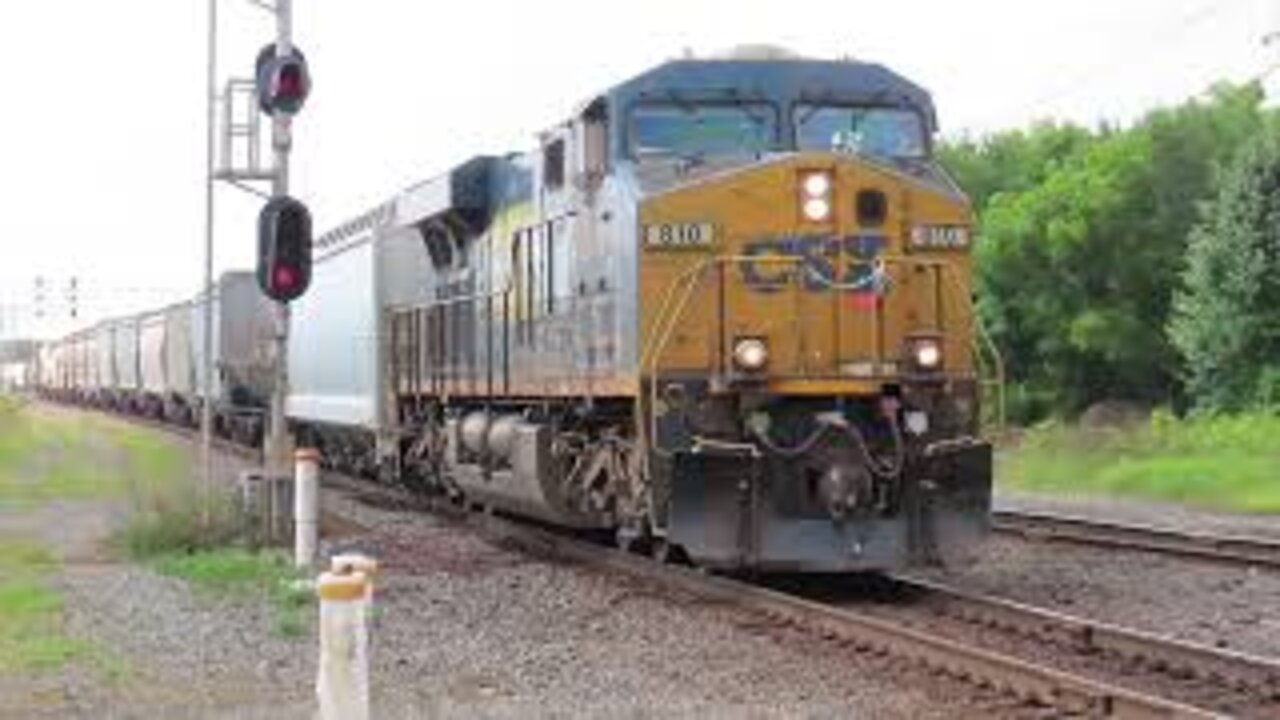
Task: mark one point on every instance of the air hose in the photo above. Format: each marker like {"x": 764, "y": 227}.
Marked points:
{"x": 887, "y": 470}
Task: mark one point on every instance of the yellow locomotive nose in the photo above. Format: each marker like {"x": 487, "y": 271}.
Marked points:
{"x": 822, "y": 264}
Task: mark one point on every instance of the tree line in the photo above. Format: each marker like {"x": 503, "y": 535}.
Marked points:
{"x": 1137, "y": 264}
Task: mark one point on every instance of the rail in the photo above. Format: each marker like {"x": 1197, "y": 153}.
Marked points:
{"x": 1026, "y": 680}
{"x": 1253, "y": 551}
{"x": 1233, "y": 678}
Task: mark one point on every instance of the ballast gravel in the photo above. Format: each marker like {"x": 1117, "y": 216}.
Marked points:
{"x": 465, "y": 628}
{"x": 469, "y": 629}
{"x": 1226, "y": 606}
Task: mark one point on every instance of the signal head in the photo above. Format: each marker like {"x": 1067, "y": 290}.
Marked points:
{"x": 283, "y": 82}
{"x": 284, "y": 249}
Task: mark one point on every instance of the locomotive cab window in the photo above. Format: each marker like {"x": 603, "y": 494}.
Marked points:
{"x": 886, "y": 133}
{"x": 594, "y": 139}
{"x": 553, "y": 162}
{"x": 690, "y": 131}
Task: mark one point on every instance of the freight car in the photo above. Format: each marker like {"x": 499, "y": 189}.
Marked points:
{"x": 723, "y": 310}
{"x": 151, "y": 364}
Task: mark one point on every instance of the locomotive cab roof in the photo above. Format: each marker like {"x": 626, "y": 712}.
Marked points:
{"x": 784, "y": 81}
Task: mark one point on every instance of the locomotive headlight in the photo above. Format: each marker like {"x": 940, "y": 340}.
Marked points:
{"x": 750, "y": 354}
{"x": 817, "y": 209}
{"x": 926, "y": 353}
{"x": 815, "y": 195}
{"x": 817, "y": 184}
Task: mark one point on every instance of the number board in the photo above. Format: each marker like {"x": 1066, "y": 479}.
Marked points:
{"x": 940, "y": 237}
{"x": 675, "y": 236}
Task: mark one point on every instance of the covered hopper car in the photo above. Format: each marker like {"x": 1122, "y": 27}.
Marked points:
{"x": 151, "y": 364}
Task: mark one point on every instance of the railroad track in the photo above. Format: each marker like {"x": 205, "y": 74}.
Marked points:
{"x": 1193, "y": 681}
{"x": 1029, "y": 681}
{"x": 1251, "y": 551}
{"x": 1229, "y": 682}
{"x": 1224, "y": 684}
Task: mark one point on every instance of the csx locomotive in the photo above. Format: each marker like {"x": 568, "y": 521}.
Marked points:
{"x": 724, "y": 310}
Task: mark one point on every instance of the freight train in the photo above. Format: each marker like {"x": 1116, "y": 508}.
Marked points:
{"x": 152, "y": 364}
{"x": 724, "y": 310}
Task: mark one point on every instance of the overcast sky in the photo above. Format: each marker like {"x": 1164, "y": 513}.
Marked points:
{"x": 102, "y": 130}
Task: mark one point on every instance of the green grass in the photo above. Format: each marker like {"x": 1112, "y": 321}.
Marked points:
{"x": 32, "y": 638}
{"x": 225, "y": 571}
{"x": 44, "y": 458}
{"x": 248, "y": 575}
{"x": 1222, "y": 463}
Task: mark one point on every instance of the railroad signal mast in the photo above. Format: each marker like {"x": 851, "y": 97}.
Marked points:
{"x": 279, "y": 89}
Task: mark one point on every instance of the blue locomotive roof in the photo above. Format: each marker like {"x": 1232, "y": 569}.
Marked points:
{"x": 781, "y": 81}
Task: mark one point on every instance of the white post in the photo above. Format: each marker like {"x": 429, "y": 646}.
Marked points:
{"x": 306, "y": 506}
{"x": 342, "y": 681}
{"x": 353, "y": 563}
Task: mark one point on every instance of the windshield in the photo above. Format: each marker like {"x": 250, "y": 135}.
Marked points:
{"x": 891, "y": 133}
{"x": 698, "y": 131}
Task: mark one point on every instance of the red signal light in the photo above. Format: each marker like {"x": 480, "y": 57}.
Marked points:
{"x": 283, "y": 82}
{"x": 284, "y": 278}
{"x": 289, "y": 84}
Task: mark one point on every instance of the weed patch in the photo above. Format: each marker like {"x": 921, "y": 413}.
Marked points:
{"x": 246, "y": 574}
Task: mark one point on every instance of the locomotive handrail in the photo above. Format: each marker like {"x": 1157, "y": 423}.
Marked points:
{"x": 983, "y": 334}
{"x": 445, "y": 302}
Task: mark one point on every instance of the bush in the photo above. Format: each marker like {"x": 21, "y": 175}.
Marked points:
{"x": 179, "y": 525}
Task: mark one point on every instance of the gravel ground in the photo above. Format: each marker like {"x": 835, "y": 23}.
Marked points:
{"x": 463, "y": 628}
{"x": 1166, "y": 515}
{"x": 1221, "y": 605}
{"x": 477, "y": 630}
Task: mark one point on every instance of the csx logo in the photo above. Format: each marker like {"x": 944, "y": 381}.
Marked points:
{"x": 823, "y": 262}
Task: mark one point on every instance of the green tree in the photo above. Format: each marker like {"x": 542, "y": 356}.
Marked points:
{"x": 1074, "y": 280}
{"x": 1227, "y": 319}
{"x": 1013, "y": 160}
{"x": 1082, "y": 236}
